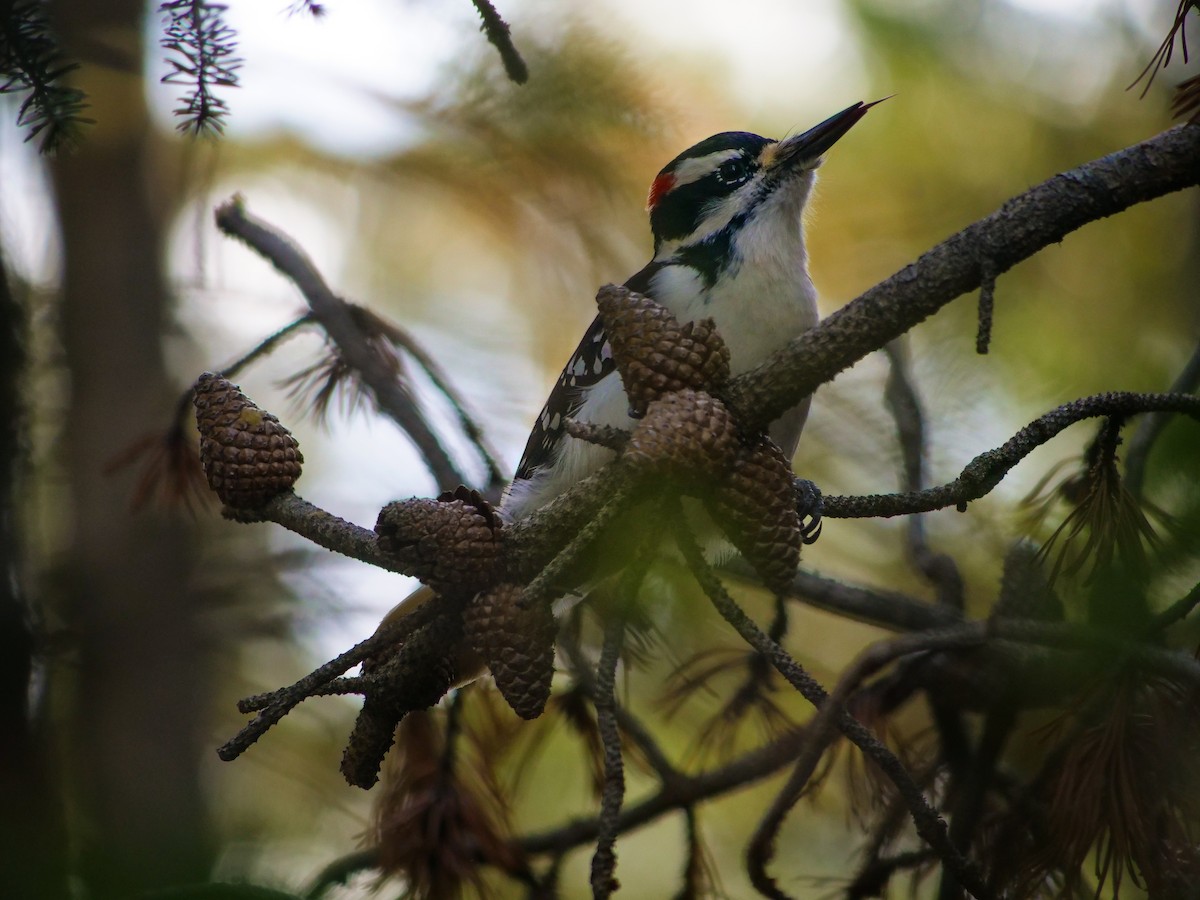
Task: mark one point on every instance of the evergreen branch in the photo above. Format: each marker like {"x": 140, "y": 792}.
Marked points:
{"x": 326, "y": 679}
{"x": 988, "y": 469}
{"x": 1162, "y": 56}
{"x": 1040, "y": 216}
{"x": 30, "y": 61}
{"x": 392, "y": 395}
{"x": 202, "y": 54}
{"x": 929, "y": 825}
{"x": 1025, "y": 224}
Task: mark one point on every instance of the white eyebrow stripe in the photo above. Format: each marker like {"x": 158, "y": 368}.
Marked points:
{"x": 694, "y": 169}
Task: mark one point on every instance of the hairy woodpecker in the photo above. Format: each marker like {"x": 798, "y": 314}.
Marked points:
{"x": 727, "y": 216}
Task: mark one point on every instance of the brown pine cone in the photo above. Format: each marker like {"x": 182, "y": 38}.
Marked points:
{"x": 248, "y": 456}
{"x": 687, "y": 434}
{"x": 414, "y": 676}
{"x": 654, "y": 353}
{"x": 473, "y": 498}
{"x": 1026, "y": 591}
{"x": 517, "y": 643}
{"x": 452, "y": 543}
{"x": 756, "y": 508}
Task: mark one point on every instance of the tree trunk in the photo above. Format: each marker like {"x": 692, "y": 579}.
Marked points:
{"x": 140, "y": 686}
{"x": 32, "y": 841}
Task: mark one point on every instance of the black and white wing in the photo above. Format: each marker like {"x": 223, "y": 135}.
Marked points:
{"x": 590, "y": 363}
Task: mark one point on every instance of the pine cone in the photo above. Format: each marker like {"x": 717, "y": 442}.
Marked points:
{"x": 1025, "y": 590}
{"x": 756, "y": 508}
{"x": 248, "y": 456}
{"x": 452, "y": 543}
{"x": 654, "y": 353}
{"x": 688, "y": 434}
{"x": 415, "y": 676}
{"x": 517, "y": 643}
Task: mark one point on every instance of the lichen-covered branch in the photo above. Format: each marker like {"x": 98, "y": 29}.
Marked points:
{"x": 322, "y": 528}
{"x": 986, "y": 470}
{"x": 1025, "y": 224}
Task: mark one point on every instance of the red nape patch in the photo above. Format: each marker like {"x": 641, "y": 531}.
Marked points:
{"x": 662, "y": 184}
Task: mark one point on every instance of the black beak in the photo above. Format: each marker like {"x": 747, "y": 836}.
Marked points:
{"x": 806, "y": 149}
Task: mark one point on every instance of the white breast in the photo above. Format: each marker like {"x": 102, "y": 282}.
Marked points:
{"x": 762, "y": 302}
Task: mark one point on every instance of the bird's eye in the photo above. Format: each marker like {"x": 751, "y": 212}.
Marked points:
{"x": 733, "y": 171}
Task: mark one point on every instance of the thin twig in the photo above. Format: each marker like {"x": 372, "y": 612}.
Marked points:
{"x": 821, "y": 732}
{"x": 988, "y": 469}
{"x": 604, "y": 861}
{"x": 691, "y": 789}
{"x": 391, "y": 395}
{"x": 970, "y": 791}
{"x": 549, "y": 582}
{"x": 499, "y": 36}
{"x": 267, "y": 345}
{"x": 761, "y": 848}
{"x": 987, "y": 305}
{"x": 695, "y": 868}
{"x": 886, "y": 609}
{"x": 905, "y": 405}
{"x": 604, "y": 697}
{"x": 474, "y": 433}
{"x": 929, "y": 825}
{"x": 872, "y": 879}
{"x": 878, "y": 655}
{"x": 288, "y": 698}
{"x": 615, "y": 439}
{"x": 337, "y": 687}
{"x": 641, "y": 738}
{"x": 1178, "y": 610}
{"x": 1152, "y": 425}
{"x": 322, "y": 528}
{"x": 631, "y": 725}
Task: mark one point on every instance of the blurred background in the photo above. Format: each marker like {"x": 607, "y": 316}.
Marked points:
{"x": 481, "y": 216}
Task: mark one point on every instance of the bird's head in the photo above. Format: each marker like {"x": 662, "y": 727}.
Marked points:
{"x": 722, "y": 182}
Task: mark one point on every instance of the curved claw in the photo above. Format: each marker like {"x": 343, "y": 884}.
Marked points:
{"x": 809, "y": 504}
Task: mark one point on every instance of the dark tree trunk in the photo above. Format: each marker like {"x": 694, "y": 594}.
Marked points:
{"x": 140, "y": 687}
{"x": 32, "y": 843}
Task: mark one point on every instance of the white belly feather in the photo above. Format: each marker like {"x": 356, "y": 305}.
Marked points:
{"x": 758, "y": 308}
